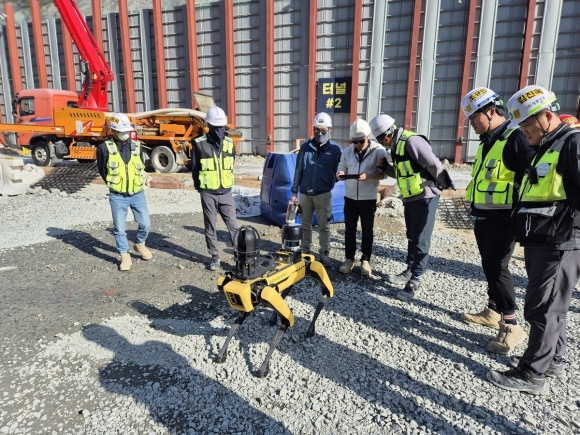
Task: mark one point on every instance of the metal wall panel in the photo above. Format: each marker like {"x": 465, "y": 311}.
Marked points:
{"x": 396, "y": 58}
{"x": 209, "y": 51}
{"x": 566, "y": 79}
{"x": 176, "y": 66}
{"x": 508, "y": 43}
{"x": 365, "y": 59}
{"x": 448, "y": 75}
{"x": 5, "y": 85}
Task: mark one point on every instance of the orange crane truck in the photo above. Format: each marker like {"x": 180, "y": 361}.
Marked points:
{"x": 59, "y": 124}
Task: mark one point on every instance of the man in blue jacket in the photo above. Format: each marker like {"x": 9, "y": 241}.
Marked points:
{"x": 314, "y": 178}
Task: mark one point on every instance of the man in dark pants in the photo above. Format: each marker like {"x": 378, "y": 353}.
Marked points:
{"x": 213, "y": 176}
{"x": 547, "y": 224}
{"x": 420, "y": 177}
{"x": 501, "y": 160}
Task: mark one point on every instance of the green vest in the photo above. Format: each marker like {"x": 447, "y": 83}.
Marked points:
{"x": 492, "y": 185}
{"x": 124, "y": 178}
{"x": 407, "y": 171}
{"x": 216, "y": 171}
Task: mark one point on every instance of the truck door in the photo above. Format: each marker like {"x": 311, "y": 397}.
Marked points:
{"x": 34, "y": 111}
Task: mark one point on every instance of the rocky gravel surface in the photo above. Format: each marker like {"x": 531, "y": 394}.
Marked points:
{"x": 86, "y": 349}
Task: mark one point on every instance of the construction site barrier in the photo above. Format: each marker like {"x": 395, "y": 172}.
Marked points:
{"x": 16, "y": 177}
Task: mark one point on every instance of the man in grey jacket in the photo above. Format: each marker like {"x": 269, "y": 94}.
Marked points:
{"x": 360, "y": 160}
{"x": 420, "y": 178}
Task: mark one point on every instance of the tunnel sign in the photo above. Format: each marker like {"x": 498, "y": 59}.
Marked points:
{"x": 333, "y": 95}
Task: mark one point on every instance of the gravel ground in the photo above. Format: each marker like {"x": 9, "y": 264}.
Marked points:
{"x": 89, "y": 350}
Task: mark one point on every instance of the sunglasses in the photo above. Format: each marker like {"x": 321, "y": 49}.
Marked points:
{"x": 320, "y": 131}
{"x": 356, "y": 142}
{"x": 380, "y": 137}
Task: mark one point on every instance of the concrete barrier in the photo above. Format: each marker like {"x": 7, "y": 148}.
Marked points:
{"x": 16, "y": 177}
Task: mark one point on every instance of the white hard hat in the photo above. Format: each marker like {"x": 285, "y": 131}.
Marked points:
{"x": 382, "y": 124}
{"x": 476, "y": 99}
{"x": 527, "y": 102}
{"x": 216, "y": 116}
{"x": 360, "y": 128}
{"x": 120, "y": 122}
{"x": 322, "y": 119}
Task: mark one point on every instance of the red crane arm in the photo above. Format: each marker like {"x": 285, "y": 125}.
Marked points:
{"x": 98, "y": 72}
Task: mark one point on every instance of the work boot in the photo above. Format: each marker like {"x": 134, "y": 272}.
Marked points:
{"x": 215, "y": 263}
{"x": 508, "y": 337}
{"x": 365, "y": 268}
{"x": 411, "y": 290}
{"x": 325, "y": 259}
{"x": 347, "y": 266}
{"x": 141, "y": 249}
{"x": 125, "y": 262}
{"x": 556, "y": 369}
{"x": 487, "y": 317}
{"x": 401, "y": 278}
{"x": 519, "y": 379}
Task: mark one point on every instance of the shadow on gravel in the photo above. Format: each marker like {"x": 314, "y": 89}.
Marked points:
{"x": 176, "y": 395}
{"x": 84, "y": 242}
{"x": 163, "y": 243}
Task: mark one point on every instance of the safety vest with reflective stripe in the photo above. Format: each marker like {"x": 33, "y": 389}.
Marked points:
{"x": 407, "y": 171}
{"x": 216, "y": 170}
{"x": 550, "y": 185}
{"x": 121, "y": 177}
{"x": 492, "y": 185}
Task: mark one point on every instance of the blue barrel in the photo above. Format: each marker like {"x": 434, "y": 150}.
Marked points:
{"x": 276, "y": 190}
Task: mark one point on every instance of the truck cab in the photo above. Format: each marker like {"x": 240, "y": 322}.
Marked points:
{"x": 35, "y": 107}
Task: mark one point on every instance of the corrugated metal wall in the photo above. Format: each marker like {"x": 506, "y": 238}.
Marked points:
{"x": 386, "y": 38}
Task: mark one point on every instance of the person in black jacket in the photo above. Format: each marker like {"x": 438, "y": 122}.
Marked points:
{"x": 547, "y": 225}
{"x": 314, "y": 178}
{"x": 501, "y": 160}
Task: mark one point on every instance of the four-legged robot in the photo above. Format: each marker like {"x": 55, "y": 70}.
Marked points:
{"x": 268, "y": 280}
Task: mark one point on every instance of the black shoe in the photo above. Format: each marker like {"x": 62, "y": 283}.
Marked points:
{"x": 411, "y": 290}
{"x": 519, "y": 379}
{"x": 401, "y": 278}
{"x": 556, "y": 369}
{"x": 215, "y": 263}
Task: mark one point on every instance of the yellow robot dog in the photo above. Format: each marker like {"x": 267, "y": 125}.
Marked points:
{"x": 269, "y": 279}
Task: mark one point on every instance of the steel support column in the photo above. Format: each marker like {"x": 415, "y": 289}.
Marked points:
{"x": 465, "y": 77}
{"x": 377, "y": 59}
{"x": 69, "y": 60}
{"x": 270, "y": 76}
{"x": 127, "y": 58}
{"x": 53, "y": 50}
{"x": 230, "y": 61}
{"x": 38, "y": 44}
{"x": 192, "y": 47}
{"x": 549, "y": 37}
{"x": 355, "y": 59}
{"x": 529, "y": 33}
{"x": 13, "y": 48}
{"x": 312, "y": 46}
{"x": 6, "y": 92}
{"x": 97, "y": 22}
{"x": 413, "y": 64}
{"x": 160, "y": 54}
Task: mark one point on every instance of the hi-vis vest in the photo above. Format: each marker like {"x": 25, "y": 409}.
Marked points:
{"x": 121, "y": 177}
{"x": 216, "y": 171}
{"x": 550, "y": 185}
{"x": 492, "y": 185}
{"x": 407, "y": 171}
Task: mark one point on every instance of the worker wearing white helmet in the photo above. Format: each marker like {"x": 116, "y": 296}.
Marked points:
{"x": 314, "y": 179}
{"x": 500, "y": 162}
{"x": 121, "y": 166}
{"x": 547, "y": 225}
{"x": 212, "y": 164}
{"x": 358, "y": 165}
{"x": 420, "y": 178}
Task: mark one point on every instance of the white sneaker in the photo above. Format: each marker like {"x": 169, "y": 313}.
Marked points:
{"x": 365, "y": 268}
{"x": 347, "y": 266}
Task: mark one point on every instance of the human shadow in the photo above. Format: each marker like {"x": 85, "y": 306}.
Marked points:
{"x": 176, "y": 395}
{"x": 163, "y": 243}
{"x": 84, "y": 242}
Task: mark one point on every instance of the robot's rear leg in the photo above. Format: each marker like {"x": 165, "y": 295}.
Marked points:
{"x": 222, "y": 354}
{"x": 265, "y": 368}
{"x": 319, "y": 307}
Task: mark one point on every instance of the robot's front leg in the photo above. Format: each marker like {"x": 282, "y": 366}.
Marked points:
{"x": 265, "y": 368}
{"x": 222, "y": 354}
{"x": 274, "y": 316}
{"x": 318, "y": 271}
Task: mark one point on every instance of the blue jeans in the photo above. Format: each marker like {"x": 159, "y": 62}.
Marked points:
{"x": 120, "y": 207}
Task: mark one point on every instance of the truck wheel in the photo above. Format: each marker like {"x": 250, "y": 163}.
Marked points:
{"x": 41, "y": 154}
{"x": 163, "y": 160}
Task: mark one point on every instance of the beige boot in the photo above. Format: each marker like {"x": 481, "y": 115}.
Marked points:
{"x": 365, "y": 268}
{"x": 508, "y": 337}
{"x": 487, "y": 317}
{"x": 125, "y": 262}
{"x": 346, "y": 267}
{"x": 143, "y": 251}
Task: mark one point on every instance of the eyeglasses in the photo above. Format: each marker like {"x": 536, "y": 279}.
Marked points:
{"x": 380, "y": 137}
{"x": 320, "y": 131}
{"x": 356, "y": 142}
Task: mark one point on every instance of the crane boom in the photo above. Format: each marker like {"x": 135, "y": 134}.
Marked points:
{"x": 98, "y": 72}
